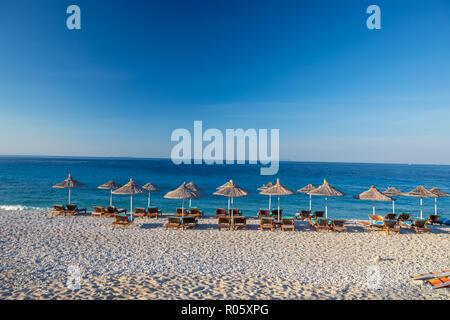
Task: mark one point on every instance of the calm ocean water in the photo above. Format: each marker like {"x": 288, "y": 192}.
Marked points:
{"x": 26, "y": 182}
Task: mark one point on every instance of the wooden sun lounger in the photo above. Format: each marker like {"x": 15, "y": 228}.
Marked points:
{"x": 263, "y": 213}
{"x": 391, "y": 226}
{"x": 275, "y": 213}
{"x": 58, "y": 210}
{"x": 73, "y": 209}
{"x": 111, "y": 211}
{"x": 391, "y": 216}
{"x": 338, "y": 225}
{"x": 404, "y": 217}
{"x": 181, "y": 223}
{"x": 224, "y": 223}
{"x": 180, "y": 212}
{"x": 321, "y": 224}
{"x": 433, "y": 219}
{"x": 220, "y": 212}
{"x": 417, "y": 225}
{"x": 240, "y": 222}
{"x": 122, "y": 220}
{"x": 266, "y": 223}
{"x": 154, "y": 212}
{"x": 287, "y": 224}
{"x": 98, "y": 211}
{"x": 303, "y": 215}
{"x": 195, "y": 212}
{"x": 140, "y": 212}
{"x": 318, "y": 214}
{"x": 235, "y": 212}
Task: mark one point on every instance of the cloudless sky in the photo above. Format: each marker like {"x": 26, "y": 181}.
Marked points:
{"x": 137, "y": 70}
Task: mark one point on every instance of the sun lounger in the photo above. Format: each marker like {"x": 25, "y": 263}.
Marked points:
{"x": 263, "y": 213}
{"x": 404, "y": 217}
{"x": 224, "y": 223}
{"x": 240, "y": 222}
{"x": 195, "y": 212}
{"x": 431, "y": 275}
{"x": 390, "y": 226}
{"x": 303, "y": 215}
{"x": 318, "y": 214}
{"x": 376, "y": 217}
{"x": 154, "y": 212}
{"x": 140, "y": 212}
{"x": 391, "y": 216}
{"x": 111, "y": 211}
{"x": 433, "y": 219}
{"x": 321, "y": 224}
{"x": 189, "y": 222}
{"x": 220, "y": 212}
{"x": 181, "y": 223}
{"x": 275, "y": 213}
{"x": 338, "y": 225}
{"x": 73, "y": 209}
{"x": 441, "y": 282}
{"x": 98, "y": 211}
{"x": 122, "y": 220}
{"x": 287, "y": 224}
{"x": 58, "y": 210}
{"x": 235, "y": 212}
{"x": 266, "y": 223}
{"x": 417, "y": 225}
{"x": 180, "y": 212}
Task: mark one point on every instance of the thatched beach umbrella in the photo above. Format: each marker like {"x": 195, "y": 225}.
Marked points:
{"x": 439, "y": 194}
{"x": 231, "y": 190}
{"x": 264, "y": 187}
{"x": 393, "y": 192}
{"x": 373, "y": 194}
{"x": 306, "y": 189}
{"x": 150, "y": 187}
{"x": 110, "y": 185}
{"x": 69, "y": 183}
{"x": 182, "y": 192}
{"x": 326, "y": 190}
{"x": 194, "y": 187}
{"x": 227, "y": 184}
{"x": 278, "y": 190}
{"x": 130, "y": 188}
{"x": 421, "y": 193}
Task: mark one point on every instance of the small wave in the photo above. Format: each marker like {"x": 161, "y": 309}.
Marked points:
{"x": 20, "y": 208}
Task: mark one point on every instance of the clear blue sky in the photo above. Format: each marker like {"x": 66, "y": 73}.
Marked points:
{"x": 139, "y": 69}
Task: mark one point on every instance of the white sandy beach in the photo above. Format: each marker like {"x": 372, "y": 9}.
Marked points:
{"x": 145, "y": 261}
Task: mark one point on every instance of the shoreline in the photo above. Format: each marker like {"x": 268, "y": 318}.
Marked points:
{"x": 145, "y": 261}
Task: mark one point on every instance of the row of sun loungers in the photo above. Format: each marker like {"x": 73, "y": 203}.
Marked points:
{"x": 70, "y": 209}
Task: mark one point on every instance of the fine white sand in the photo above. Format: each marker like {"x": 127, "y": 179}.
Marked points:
{"x": 145, "y": 261}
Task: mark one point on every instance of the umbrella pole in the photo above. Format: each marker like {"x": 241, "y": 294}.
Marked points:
{"x": 270, "y": 202}
{"x": 421, "y": 207}
{"x": 326, "y": 207}
{"x": 190, "y": 203}
{"x": 435, "y": 206}
{"x": 310, "y": 202}
{"x": 182, "y": 209}
{"x": 278, "y": 208}
{"x": 110, "y": 198}
{"x": 373, "y": 207}
{"x": 131, "y": 205}
{"x": 393, "y": 206}
{"x": 69, "y": 195}
{"x": 148, "y": 201}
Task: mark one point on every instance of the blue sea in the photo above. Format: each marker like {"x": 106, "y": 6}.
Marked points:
{"x": 26, "y": 183}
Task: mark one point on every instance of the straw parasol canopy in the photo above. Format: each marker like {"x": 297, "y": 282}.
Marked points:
{"x": 306, "y": 189}
{"x": 439, "y": 194}
{"x": 278, "y": 190}
{"x": 110, "y": 185}
{"x": 373, "y": 194}
{"x": 326, "y": 190}
{"x": 130, "y": 188}
{"x": 150, "y": 187}
{"x": 69, "y": 183}
{"x": 183, "y": 192}
{"x": 231, "y": 190}
{"x": 421, "y": 192}
{"x": 264, "y": 187}
{"x": 194, "y": 187}
{"x": 393, "y": 192}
